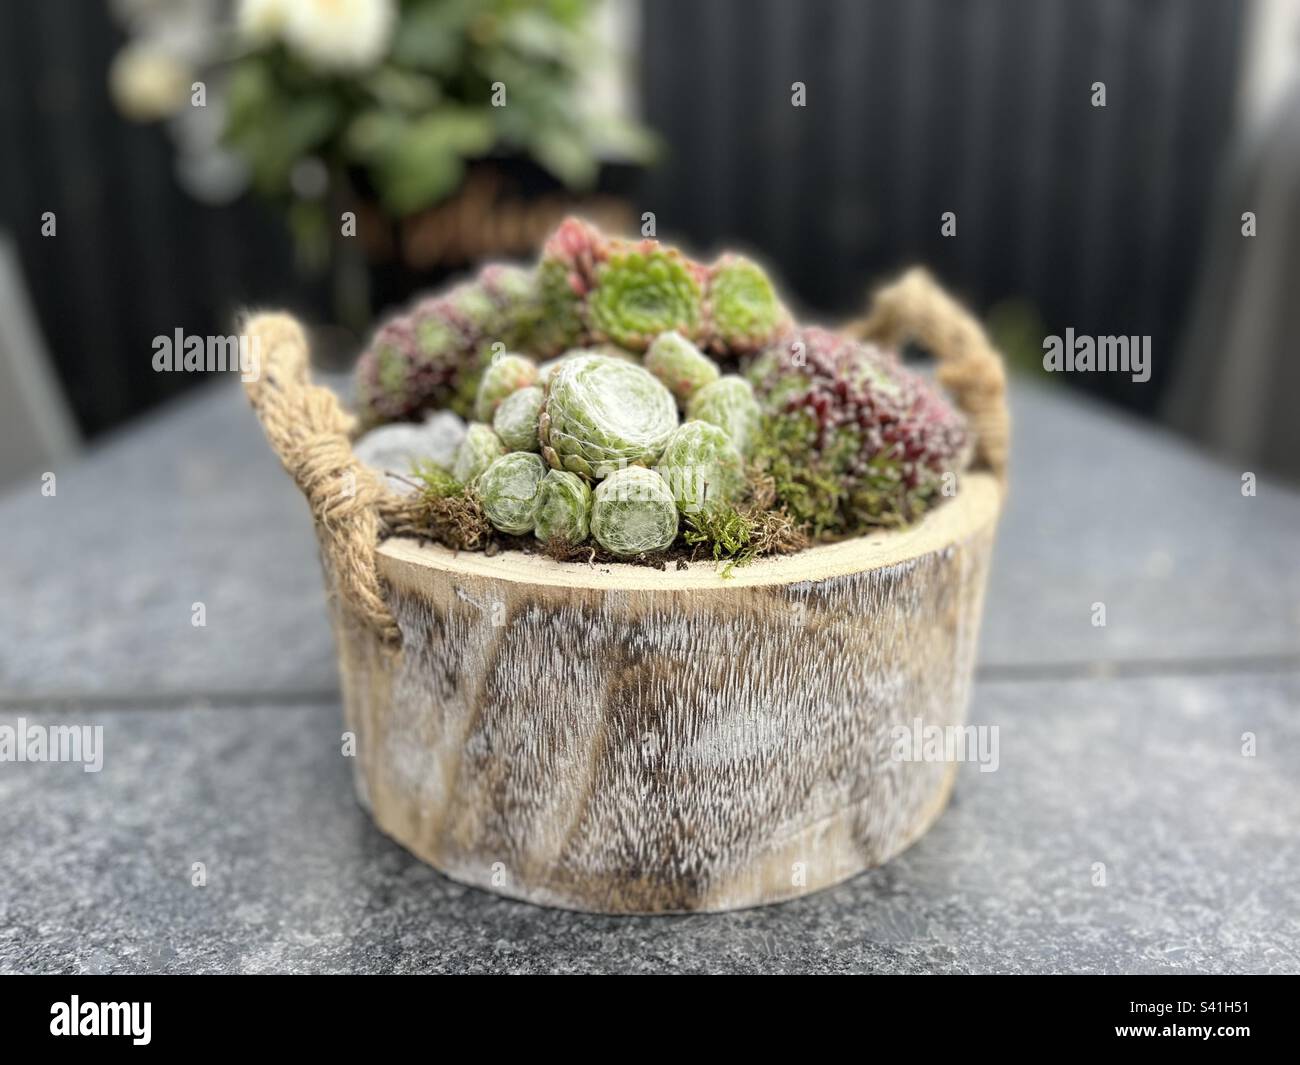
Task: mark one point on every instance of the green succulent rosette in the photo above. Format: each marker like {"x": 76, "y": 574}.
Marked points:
{"x": 504, "y": 374}
{"x": 642, "y": 290}
{"x": 730, "y": 404}
{"x": 680, "y": 365}
{"x": 745, "y": 313}
{"x": 702, "y": 467}
{"x": 508, "y": 490}
{"x": 480, "y": 448}
{"x": 564, "y": 508}
{"x": 602, "y": 413}
{"x": 515, "y": 421}
{"x": 633, "y": 513}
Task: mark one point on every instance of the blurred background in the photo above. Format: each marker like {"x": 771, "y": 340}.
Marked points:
{"x": 169, "y": 162}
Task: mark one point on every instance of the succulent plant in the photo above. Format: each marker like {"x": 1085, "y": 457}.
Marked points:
{"x": 509, "y": 491}
{"x": 507, "y": 283}
{"x": 520, "y": 316}
{"x": 823, "y": 436}
{"x": 505, "y": 373}
{"x": 480, "y": 448}
{"x": 602, "y": 413}
{"x": 578, "y": 247}
{"x": 565, "y": 276}
{"x": 641, "y": 290}
{"x": 393, "y": 384}
{"x": 702, "y": 467}
{"x": 633, "y": 513}
{"x": 475, "y": 311}
{"x": 680, "y": 365}
{"x": 563, "y": 508}
{"x": 730, "y": 404}
{"x": 745, "y": 313}
{"x": 515, "y": 421}
{"x": 853, "y": 438}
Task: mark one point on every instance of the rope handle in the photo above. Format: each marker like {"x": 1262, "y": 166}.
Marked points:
{"x": 311, "y": 433}
{"x": 916, "y": 308}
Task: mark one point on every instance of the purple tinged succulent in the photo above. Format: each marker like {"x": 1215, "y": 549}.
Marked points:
{"x": 853, "y": 437}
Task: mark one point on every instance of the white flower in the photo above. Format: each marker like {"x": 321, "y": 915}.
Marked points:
{"x": 261, "y": 20}
{"x": 148, "y": 83}
{"x": 339, "y": 34}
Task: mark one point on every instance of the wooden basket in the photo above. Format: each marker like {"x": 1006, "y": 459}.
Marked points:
{"x": 621, "y": 739}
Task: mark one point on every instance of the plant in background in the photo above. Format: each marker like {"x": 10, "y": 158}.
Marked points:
{"x": 299, "y": 94}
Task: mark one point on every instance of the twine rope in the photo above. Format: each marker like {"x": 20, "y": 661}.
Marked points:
{"x": 310, "y": 432}
{"x": 916, "y": 308}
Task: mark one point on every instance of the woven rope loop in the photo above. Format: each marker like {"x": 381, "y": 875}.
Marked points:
{"x": 310, "y": 432}
{"x": 916, "y": 308}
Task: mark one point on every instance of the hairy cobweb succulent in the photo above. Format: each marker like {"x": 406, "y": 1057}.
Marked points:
{"x": 702, "y": 467}
{"x": 477, "y": 451}
{"x": 563, "y": 508}
{"x": 505, "y": 373}
{"x": 730, "y": 404}
{"x": 814, "y": 435}
{"x": 509, "y": 491}
{"x": 515, "y": 421}
{"x": 601, "y": 413}
{"x": 633, "y": 513}
{"x": 851, "y": 437}
{"x": 680, "y": 365}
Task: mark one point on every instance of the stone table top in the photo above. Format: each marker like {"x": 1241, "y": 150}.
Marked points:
{"x": 1121, "y": 745}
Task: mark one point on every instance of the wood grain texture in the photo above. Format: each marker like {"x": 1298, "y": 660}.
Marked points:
{"x": 626, "y": 740}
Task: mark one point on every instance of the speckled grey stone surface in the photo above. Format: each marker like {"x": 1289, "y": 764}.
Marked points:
{"x": 1147, "y": 776}
{"x": 99, "y": 582}
{"x": 1106, "y": 509}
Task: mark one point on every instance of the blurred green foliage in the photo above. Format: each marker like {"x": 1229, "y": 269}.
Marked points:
{"x": 412, "y": 122}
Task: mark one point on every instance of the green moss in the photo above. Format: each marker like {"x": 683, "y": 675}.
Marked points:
{"x": 808, "y": 485}
{"x": 728, "y": 534}
{"x": 436, "y": 481}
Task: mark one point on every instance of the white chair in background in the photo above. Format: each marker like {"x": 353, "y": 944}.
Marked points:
{"x": 36, "y": 425}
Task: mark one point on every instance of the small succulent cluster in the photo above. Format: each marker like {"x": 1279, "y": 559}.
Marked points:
{"x": 604, "y": 417}
{"x": 587, "y": 291}
{"x": 598, "y": 450}
{"x": 853, "y": 439}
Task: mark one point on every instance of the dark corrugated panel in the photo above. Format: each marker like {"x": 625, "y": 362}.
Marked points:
{"x": 916, "y": 107}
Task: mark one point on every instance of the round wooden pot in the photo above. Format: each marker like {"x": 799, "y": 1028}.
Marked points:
{"x": 622, "y": 739}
